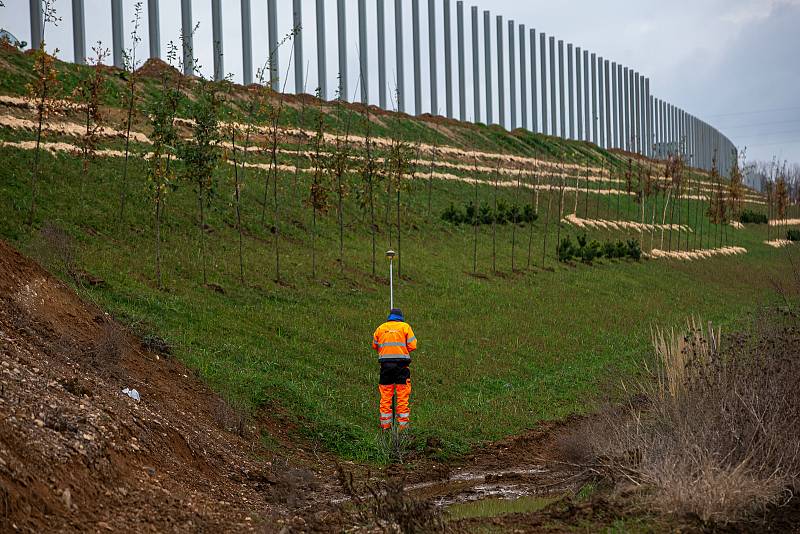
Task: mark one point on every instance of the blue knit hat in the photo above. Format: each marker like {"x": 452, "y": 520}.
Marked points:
{"x": 396, "y": 314}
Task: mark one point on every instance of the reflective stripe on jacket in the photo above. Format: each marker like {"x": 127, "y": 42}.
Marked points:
{"x": 394, "y": 340}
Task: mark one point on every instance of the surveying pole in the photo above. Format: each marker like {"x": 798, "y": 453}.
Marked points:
{"x": 390, "y": 254}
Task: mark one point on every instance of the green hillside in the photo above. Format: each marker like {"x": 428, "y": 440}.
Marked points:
{"x": 499, "y": 349}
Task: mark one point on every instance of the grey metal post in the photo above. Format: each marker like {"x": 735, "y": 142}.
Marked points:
{"x": 637, "y": 114}
{"x": 341, "y": 16}
{"x": 448, "y": 61}
{"x": 553, "y": 109}
{"x": 579, "y": 91}
{"x": 571, "y": 91}
{"x": 684, "y": 143}
{"x": 674, "y": 121}
{"x": 670, "y": 125}
{"x": 487, "y": 60}
{"x": 247, "y": 43}
{"x": 675, "y": 129}
{"x": 476, "y": 67}
{"x": 117, "y": 33}
{"x": 523, "y": 78}
{"x": 543, "y": 67}
{"x": 462, "y": 74}
{"x": 273, "y": 55}
{"x": 643, "y": 119}
{"x": 701, "y": 135}
{"x": 363, "y": 63}
{"x": 667, "y": 130}
{"x": 432, "y": 61}
{"x": 216, "y": 39}
{"x": 701, "y": 146}
{"x": 648, "y": 149}
{"x": 400, "y": 61}
{"x": 587, "y": 125}
{"x": 601, "y": 123}
{"x": 614, "y": 143}
{"x": 79, "y": 32}
{"x": 381, "y": 15}
{"x": 635, "y": 132}
{"x": 322, "y": 61}
{"x": 607, "y": 102}
{"x": 658, "y": 122}
{"x": 594, "y": 99}
{"x": 656, "y": 143}
{"x": 620, "y": 108}
{"x": 626, "y": 80}
{"x": 37, "y": 22}
{"x": 417, "y": 59}
{"x": 561, "y": 92}
{"x": 501, "y": 75}
{"x": 670, "y": 129}
{"x": 698, "y": 144}
{"x": 512, "y": 74}
{"x": 534, "y": 84}
{"x": 684, "y": 134}
{"x": 651, "y": 126}
{"x": 656, "y": 130}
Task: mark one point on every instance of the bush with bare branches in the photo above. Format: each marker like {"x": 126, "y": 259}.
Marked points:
{"x": 712, "y": 433}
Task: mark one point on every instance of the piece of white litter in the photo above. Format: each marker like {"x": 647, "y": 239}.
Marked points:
{"x": 132, "y": 393}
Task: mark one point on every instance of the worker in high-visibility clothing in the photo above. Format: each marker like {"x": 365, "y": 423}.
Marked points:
{"x": 395, "y": 341}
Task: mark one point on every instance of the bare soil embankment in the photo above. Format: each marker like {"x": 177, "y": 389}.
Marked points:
{"x": 77, "y": 454}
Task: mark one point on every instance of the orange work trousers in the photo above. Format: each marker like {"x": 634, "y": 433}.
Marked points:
{"x": 395, "y": 377}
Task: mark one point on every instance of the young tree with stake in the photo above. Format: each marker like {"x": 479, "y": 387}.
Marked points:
{"x": 130, "y": 68}
{"x": 43, "y": 90}
{"x": 200, "y": 153}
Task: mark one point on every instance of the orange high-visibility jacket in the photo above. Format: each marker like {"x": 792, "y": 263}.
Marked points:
{"x": 394, "y": 340}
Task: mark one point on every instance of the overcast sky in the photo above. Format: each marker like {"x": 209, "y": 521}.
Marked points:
{"x": 733, "y": 63}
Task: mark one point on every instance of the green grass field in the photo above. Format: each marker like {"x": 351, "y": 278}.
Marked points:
{"x": 498, "y": 351}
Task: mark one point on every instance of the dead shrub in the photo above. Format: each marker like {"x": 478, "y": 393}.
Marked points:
{"x": 385, "y": 504}
{"x": 76, "y": 386}
{"x": 232, "y": 417}
{"x": 107, "y": 348}
{"x": 159, "y": 345}
{"x": 717, "y": 437}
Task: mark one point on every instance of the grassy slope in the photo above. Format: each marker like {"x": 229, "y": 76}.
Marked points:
{"x": 497, "y": 352}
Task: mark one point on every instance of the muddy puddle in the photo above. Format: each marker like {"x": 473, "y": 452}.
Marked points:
{"x": 490, "y": 493}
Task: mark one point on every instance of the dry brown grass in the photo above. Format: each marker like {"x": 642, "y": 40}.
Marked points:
{"x": 711, "y": 432}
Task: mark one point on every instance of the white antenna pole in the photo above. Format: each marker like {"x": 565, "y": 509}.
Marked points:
{"x": 390, "y": 254}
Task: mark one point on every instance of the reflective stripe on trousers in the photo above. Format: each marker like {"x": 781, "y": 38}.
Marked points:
{"x": 403, "y": 411}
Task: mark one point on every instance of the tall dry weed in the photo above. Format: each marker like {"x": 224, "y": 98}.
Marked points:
{"x": 712, "y": 431}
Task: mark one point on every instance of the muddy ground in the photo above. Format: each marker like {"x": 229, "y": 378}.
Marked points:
{"x": 77, "y": 454}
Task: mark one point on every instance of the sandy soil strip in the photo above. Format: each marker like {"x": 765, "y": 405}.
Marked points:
{"x": 63, "y": 148}
{"x": 778, "y": 243}
{"x": 59, "y": 147}
{"x": 574, "y": 220}
{"x": 521, "y": 166}
{"x": 784, "y": 222}
{"x": 23, "y": 102}
{"x": 695, "y": 254}
{"x": 67, "y": 128}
